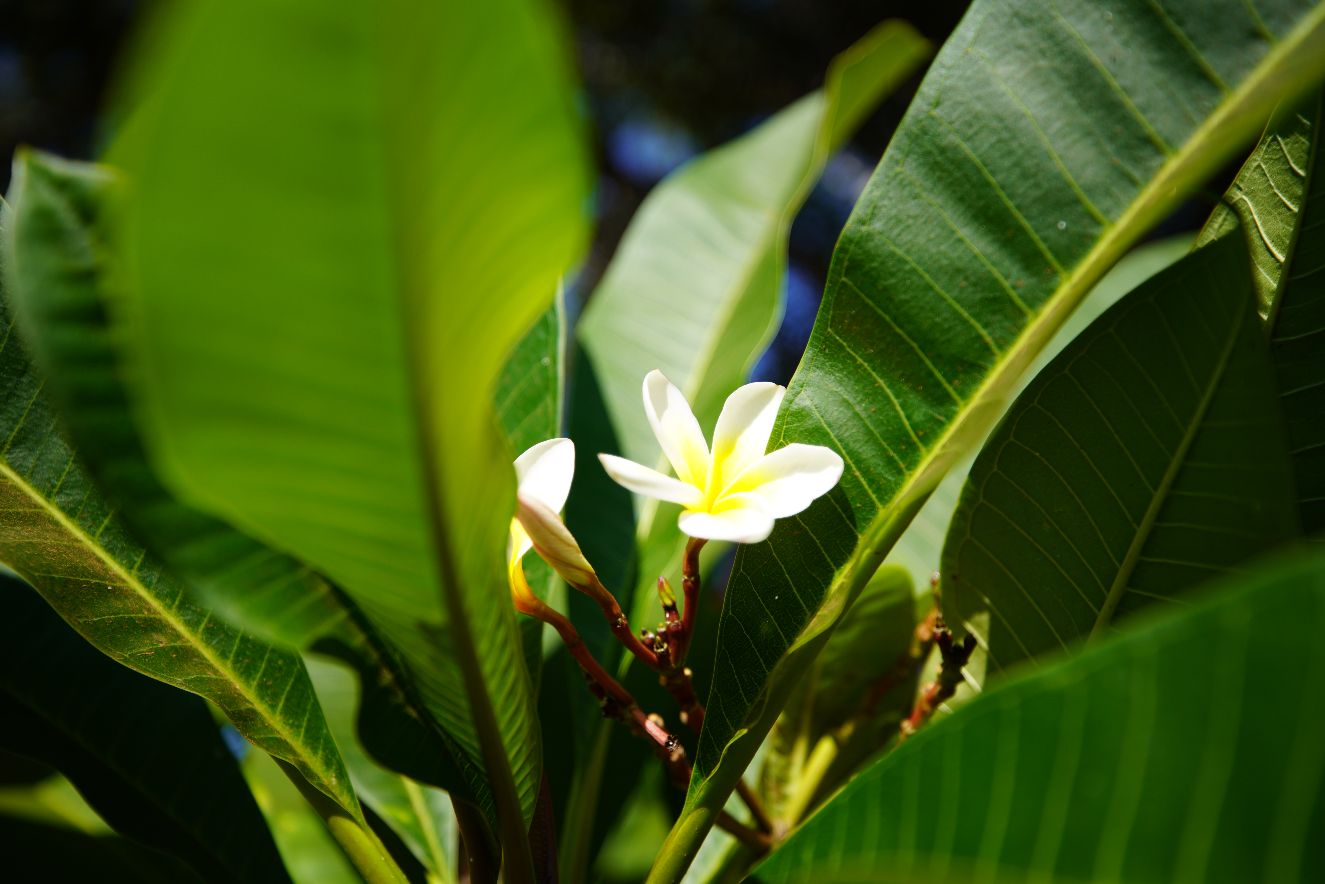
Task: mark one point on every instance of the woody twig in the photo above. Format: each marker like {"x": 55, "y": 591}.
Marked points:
{"x": 618, "y": 703}
{"x": 953, "y": 657}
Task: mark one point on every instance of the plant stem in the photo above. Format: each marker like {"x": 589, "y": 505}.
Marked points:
{"x": 812, "y": 776}
{"x": 355, "y": 839}
{"x": 618, "y": 703}
{"x": 617, "y": 622}
{"x": 478, "y": 855}
{"x": 755, "y": 806}
{"x": 954, "y": 657}
{"x": 690, "y": 587}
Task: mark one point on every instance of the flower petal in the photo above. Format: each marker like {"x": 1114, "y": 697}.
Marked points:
{"x": 677, "y": 429}
{"x": 741, "y": 436}
{"x": 554, "y": 542}
{"x": 545, "y": 472}
{"x": 790, "y": 479}
{"x": 650, "y": 483}
{"x": 739, "y": 518}
{"x": 518, "y": 544}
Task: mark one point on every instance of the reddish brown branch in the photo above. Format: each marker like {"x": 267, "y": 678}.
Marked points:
{"x": 617, "y": 622}
{"x": 665, "y": 653}
{"x": 618, "y": 703}
{"x": 690, "y": 588}
{"x": 953, "y": 657}
{"x": 906, "y": 666}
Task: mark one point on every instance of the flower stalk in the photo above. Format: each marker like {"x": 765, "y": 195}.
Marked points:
{"x": 619, "y": 704}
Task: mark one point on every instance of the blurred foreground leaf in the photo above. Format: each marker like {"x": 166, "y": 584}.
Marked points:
{"x": 315, "y": 352}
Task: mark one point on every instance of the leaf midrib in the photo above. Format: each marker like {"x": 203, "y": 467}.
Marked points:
{"x": 130, "y": 581}
{"x": 1118, "y": 588}
{"x": 517, "y": 865}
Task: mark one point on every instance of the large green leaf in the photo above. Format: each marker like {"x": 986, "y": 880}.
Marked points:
{"x": 60, "y": 535}
{"x": 920, "y": 547}
{"x": 1146, "y": 758}
{"x": 1144, "y": 460}
{"x": 335, "y": 244}
{"x": 1046, "y": 138}
{"x": 1279, "y": 200}
{"x": 61, "y": 275}
{"x": 148, "y": 758}
{"x": 696, "y": 287}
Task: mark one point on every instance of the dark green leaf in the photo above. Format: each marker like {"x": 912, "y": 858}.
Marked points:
{"x": 308, "y": 339}
{"x": 850, "y": 704}
{"x": 1279, "y": 201}
{"x": 920, "y": 547}
{"x": 148, "y": 758}
{"x": 1189, "y": 749}
{"x": 1046, "y": 139}
{"x": 61, "y": 536}
{"x": 1144, "y": 460}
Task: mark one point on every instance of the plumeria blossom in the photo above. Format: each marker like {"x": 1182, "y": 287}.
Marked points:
{"x": 735, "y": 490}
{"x": 544, "y": 474}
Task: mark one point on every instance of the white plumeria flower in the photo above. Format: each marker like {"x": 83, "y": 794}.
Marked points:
{"x": 544, "y": 474}
{"x": 735, "y": 491}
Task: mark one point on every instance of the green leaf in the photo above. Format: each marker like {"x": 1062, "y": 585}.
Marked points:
{"x": 61, "y": 276}
{"x": 531, "y": 392}
{"x": 695, "y": 288}
{"x": 148, "y": 758}
{"x": 920, "y": 547}
{"x": 1279, "y": 201}
{"x": 1042, "y": 144}
{"x": 62, "y": 537}
{"x": 1146, "y": 459}
{"x": 1188, "y": 749}
{"x": 864, "y": 647}
{"x": 421, "y": 816}
{"x": 335, "y": 245}
{"x": 532, "y": 383}
{"x": 310, "y": 853}
{"x": 51, "y": 800}
{"x": 850, "y": 704}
